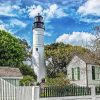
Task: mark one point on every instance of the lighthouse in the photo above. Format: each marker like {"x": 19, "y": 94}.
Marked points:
{"x": 38, "y": 47}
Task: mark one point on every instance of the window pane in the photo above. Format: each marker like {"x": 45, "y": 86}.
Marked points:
{"x": 97, "y": 72}
{"x": 72, "y": 73}
{"x": 76, "y": 73}
{"x": 93, "y": 73}
{"x": 78, "y": 70}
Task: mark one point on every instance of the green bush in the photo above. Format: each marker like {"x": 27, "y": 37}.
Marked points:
{"x": 60, "y": 80}
{"x": 27, "y": 70}
{"x": 27, "y": 81}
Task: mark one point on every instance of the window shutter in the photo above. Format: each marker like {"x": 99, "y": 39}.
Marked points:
{"x": 93, "y": 73}
{"x": 78, "y": 70}
{"x": 73, "y": 74}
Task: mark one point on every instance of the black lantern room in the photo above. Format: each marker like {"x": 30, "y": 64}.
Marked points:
{"x": 38, "y": 22}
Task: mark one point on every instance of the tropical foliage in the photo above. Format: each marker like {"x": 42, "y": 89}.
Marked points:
{"x": 27, "y": 81}
{"x": 60, "y": 80}
{"x": 12, "y": 51}
{"x": 27, "y": 70}
{"x": 58, "y": 55}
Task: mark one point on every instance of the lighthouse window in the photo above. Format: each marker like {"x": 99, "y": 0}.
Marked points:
{"x": 35, "y": 25}
{"x": 36, "y": 19}
{"x": 36, "y": 49}
{"x": 39, "y": 19}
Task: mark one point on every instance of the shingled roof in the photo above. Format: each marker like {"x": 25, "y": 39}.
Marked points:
{"x": 89, "y": 58}
{"x": 10, "y": 72}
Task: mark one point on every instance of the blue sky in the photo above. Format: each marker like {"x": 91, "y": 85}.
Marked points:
{"x": 68, "y": 21}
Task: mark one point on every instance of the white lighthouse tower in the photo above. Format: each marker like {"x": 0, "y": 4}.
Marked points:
{"x": 38, "y": 48}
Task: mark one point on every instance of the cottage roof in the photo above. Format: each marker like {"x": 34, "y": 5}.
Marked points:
{"x": 10, "y": 72}
{"x": 89, "y": 58}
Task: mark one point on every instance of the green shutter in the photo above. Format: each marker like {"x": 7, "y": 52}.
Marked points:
{"x": 73, "y": 74}
{"x": 78, "y": 70}
{"x": 93, "y": 73}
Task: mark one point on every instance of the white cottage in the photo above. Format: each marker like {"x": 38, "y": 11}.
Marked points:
{"x": 84, "y": 70}
{"x": 12, "y": 75}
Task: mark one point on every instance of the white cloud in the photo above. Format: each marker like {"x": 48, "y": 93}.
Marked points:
{"x": 17, "y": 23}
{"x": 10, "y": 10}
{"x": 53, "y": 8}
{"x": 54, "y": 11}
{"x": 1, "y": 21}
{"x": 6, "y": 10}
{"x": 51, "y": 12}
{"x": 61, "y": 13}
{"x": 76, "y": 38}
{"x": 34, "y": 10}
{"x": 62, "y": 38}
{"x": 47, "y": 34}
{"x": 16, "y": 7}
{"x": 2, "y": 27}
{"x": 91, "y": 7}
{"x": 90, "y": 20}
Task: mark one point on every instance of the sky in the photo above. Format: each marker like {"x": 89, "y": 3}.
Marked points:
{"x": 67, "y": 21}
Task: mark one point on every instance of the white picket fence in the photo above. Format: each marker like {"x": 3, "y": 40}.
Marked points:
{"x": 10, "y": 92}
{"x": 7, "y": 90}
{"x": 23, "y": 93}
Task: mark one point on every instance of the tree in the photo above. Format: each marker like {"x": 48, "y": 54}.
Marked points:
{"x": 60, "y": 80}
{"x": 96, "y": 42}
{"x": 58, "y": 55}
{"x": 12, "y": 51}
{"x": 26, "y": 70}
{"x": 27, "y": 48}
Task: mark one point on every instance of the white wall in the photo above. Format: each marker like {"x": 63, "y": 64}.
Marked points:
{"x": 90, "y": 81}
{"x": 77, "y": 62}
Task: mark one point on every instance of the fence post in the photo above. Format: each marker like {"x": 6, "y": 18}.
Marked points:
{"x": 93, "y": 93}
{"x": 36, "y": 93}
